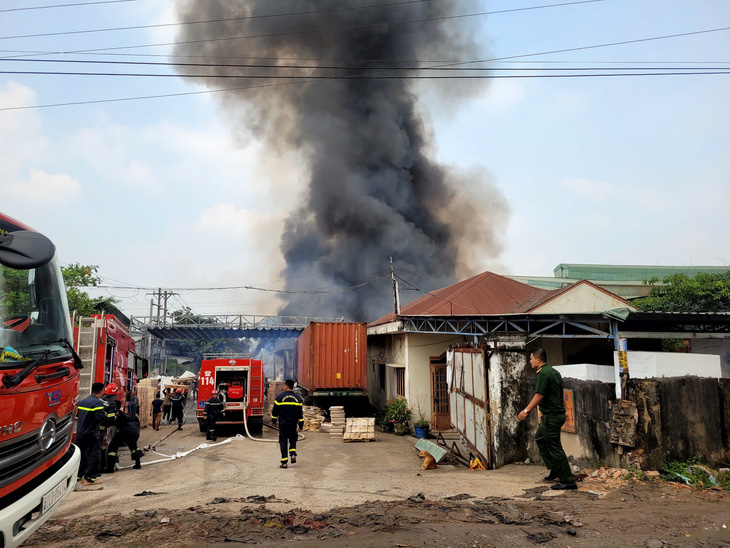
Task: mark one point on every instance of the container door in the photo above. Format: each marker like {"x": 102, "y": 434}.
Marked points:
{"x": 440, "y": 410}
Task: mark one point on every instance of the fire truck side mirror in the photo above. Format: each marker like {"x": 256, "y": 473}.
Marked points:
{"x": 25, "y": 250}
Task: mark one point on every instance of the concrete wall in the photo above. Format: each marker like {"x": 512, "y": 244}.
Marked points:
{"x": 507, "y": 372}
{"x": 420, "y": 347}
{"x": 719, "y": 347}
{"x": 680, "y": 417}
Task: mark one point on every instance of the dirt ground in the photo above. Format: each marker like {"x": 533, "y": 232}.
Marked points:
{"x": 368, "y": 494}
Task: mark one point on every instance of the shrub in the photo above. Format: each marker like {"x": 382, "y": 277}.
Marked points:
{"x": 395, "y": 412}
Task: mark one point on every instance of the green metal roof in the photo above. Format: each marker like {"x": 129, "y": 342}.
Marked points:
{"x": 605, "y": 272}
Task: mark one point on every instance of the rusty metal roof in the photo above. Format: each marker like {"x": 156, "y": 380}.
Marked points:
{"x": 485, "y": 294}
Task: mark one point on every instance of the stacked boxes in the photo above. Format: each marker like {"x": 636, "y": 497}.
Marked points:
{"x": 275, "y": 388}
{"x": 337, "y": 416}
{"x": 146, "y": 390}
{"x": 360, "y": 429}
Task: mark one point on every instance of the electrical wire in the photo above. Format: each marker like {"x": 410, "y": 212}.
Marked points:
{"x": 254, "y": 288}
{"x": 446, "y": 66}
{"x": 336, "y": 29}
{"x": 367, "y": 77}
{"x": 76, "y": 4}
{"x": 206, "y": 21}
{"x": 244, "y": 88}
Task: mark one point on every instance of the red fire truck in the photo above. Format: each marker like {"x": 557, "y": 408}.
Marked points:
{"x": 39, "y": 384}
{"x": 108, "y": 352}
{"x": 240, "y": 384}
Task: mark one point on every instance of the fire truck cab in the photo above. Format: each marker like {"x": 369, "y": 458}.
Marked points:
{"x": 240, "y": 385}
{"x": 39, "y": 382}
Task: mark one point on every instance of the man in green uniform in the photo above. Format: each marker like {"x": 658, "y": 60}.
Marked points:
{"x": 549, "y": 396}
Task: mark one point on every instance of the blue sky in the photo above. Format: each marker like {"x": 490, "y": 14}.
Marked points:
{"x": 162, "y": 192}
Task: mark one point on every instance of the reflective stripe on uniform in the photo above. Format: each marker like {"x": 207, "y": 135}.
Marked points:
{"x": 111, "y": 454}
{"x": 90, "y": 408}
{"x": 287, "y": 403}
{"x": 292, "y": 450}
{"x": 285, "y": 459}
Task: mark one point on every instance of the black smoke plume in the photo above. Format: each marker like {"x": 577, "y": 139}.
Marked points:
{"x": 373, "y": 190}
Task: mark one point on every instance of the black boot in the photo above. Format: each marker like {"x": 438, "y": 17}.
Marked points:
{"x": 137, "y": 455}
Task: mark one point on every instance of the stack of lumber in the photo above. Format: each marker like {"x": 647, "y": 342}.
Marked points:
{"x": 313, "y": 418}
{"x": 146, "y": 390}
{"x": 360, "y": 429}
{"x": 337, "y": 416}
{"x": 275, "y": 388}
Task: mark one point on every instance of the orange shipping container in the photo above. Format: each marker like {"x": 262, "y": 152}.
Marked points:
{"x": 332, "y": 356}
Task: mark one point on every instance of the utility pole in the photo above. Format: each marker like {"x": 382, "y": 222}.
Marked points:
{"x": 396, "y": 301}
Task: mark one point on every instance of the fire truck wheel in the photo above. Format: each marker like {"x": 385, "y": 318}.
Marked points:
{"x": 255, "y": 426}
{"x": 203, "y": 426}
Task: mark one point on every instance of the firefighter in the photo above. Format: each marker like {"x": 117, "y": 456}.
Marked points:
{"x": 109, "y": 400}
{"x": 127, "y": 434}
{"x": 287, "y": 411}
{"x": 213, "y": 408}
{"x": 90, "y": 416}
{"x": 178, "y": 407}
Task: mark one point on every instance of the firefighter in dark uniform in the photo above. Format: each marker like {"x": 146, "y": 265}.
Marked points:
{"x": 91, "y": 416}
{"x": 288, "y": 412}
{"x": 127, "y": 434}
{"x": 109, "y": 400}
{"x": 213, "y": 409}
{"x": 178, "y": 407}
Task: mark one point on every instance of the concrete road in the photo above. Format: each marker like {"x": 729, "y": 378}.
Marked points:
{"x": 329, "y": 473}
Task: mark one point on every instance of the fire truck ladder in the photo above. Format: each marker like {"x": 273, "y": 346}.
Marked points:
{"x": 86, "y": 349}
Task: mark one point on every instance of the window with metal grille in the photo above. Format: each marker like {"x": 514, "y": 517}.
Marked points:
{"x": 381, "y": 374}
{"x": 400, "y": 382}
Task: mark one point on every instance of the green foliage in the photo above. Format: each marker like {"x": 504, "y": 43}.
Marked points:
{"x": 14, "y": 294}
{"x": 422, "y": 423}
{"x": 77, "y": 276}
{"x": 395, "y": 413}
{"x": 704, "y": 292}
{"x": 694, "y": 473}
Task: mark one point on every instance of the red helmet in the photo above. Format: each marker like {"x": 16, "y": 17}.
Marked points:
{"x": 111, "y": 388}
{"x": 214, "y": 393}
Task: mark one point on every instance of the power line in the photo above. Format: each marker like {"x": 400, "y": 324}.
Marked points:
{"x": 223, "y": 90}
{"x": 446, "y": 66}
{"x": 76, "y": 4}
{"x": 253, "y": 288}
{"x": 330, "y": 29}
{"x": 365, "y": 76}
{"x": 205, "y": 21}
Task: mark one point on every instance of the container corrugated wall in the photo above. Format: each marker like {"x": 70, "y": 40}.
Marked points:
{"x": 333, "y": 355}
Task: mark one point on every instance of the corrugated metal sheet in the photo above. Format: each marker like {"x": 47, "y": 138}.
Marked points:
{"x": 485, "y": 294}
{"x": 332, "y": 356}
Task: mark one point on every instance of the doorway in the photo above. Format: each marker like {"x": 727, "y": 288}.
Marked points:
{"x": 440, "y": 411}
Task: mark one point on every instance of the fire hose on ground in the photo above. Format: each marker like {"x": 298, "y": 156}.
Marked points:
{"x": 181, "y": 454}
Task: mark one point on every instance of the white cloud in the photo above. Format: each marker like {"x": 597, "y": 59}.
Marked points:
{"x": 44, "y": 188}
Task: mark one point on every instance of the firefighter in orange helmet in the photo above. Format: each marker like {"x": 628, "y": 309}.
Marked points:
{"x": 178, "y": 407}
{"x": 213, "y": 409}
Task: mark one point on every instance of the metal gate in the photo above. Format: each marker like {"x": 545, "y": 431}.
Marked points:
{"x": 469, "y": 397}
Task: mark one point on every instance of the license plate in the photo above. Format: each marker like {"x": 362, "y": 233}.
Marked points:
{"x": 53, "y": 496}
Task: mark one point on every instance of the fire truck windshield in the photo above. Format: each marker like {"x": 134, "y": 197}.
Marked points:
{"x": 34, "y": 317}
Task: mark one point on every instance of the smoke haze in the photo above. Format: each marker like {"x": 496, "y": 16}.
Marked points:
{"x": 373, "y": 190}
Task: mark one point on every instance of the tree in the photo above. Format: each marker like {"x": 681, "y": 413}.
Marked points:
{"x": 704, "y": 292}
{"x": 14, "y": 294}
{"x": 77, "y": 276}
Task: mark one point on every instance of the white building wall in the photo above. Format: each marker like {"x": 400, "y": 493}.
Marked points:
{"x": 420, "y": 348}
